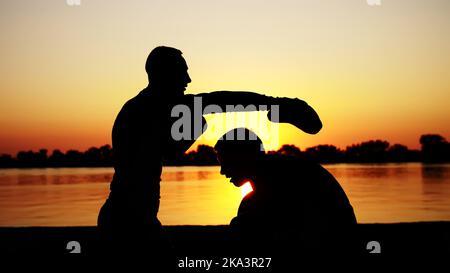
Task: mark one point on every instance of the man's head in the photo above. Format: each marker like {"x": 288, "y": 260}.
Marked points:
{"x": 238, "y": 152}
{"x": 167, "y": 70}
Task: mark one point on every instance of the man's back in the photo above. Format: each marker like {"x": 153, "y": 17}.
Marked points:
{"x": 295, "y": 201}
{"x": 134, "y": 198}
{"x": 141, "y": 139}
{"x": 136, "y": 137}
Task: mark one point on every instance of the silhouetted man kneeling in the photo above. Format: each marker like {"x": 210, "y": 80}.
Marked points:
{"x": 296, "y": 206}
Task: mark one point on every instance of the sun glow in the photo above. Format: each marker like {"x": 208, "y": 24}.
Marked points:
{"x": 246, "y": 188}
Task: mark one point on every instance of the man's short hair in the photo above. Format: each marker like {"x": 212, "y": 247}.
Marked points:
{"x": 160, "y": 59}
{"x": 240, "y": 140}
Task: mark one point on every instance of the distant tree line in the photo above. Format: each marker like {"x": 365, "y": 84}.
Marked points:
{"x": 93, "y": 157}
{"x": 434, "y": 148}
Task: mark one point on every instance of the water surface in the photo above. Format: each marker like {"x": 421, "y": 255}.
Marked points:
{"x": 201, "y": 196}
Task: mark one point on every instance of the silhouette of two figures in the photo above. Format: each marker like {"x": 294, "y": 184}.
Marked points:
{"x": 142, "y": 137}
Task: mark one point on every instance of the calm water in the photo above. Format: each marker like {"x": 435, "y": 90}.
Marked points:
{"x": 201, "y": 196}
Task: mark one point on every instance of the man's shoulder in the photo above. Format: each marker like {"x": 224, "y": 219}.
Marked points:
{"x": 283, "y": 161}
{"x": 143, "y": 100}
{"x": 130, "y": 103}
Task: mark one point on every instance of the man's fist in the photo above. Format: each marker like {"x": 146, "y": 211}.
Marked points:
{"x": 297, "y": 113}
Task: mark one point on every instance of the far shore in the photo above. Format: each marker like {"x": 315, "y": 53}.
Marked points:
{"x": 213, "y": 165}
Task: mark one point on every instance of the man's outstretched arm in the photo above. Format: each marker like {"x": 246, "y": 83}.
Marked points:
{"x": 294, "y": 111}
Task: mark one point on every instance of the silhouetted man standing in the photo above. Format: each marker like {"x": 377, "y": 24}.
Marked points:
{"x": 141, "y": 138}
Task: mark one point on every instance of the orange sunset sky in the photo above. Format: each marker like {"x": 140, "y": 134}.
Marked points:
{"x": 371, "y": 72}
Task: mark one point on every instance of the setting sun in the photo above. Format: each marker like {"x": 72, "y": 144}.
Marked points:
{"x": 246, "y": 189}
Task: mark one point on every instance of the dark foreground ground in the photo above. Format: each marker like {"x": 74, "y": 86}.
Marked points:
{"x": 407, "y": 241}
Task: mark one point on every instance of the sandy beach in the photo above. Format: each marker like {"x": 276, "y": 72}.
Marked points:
{"x": 427, "y": 238}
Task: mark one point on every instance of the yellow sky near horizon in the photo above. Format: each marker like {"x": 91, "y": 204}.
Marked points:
{"x": 371, "y": 72}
